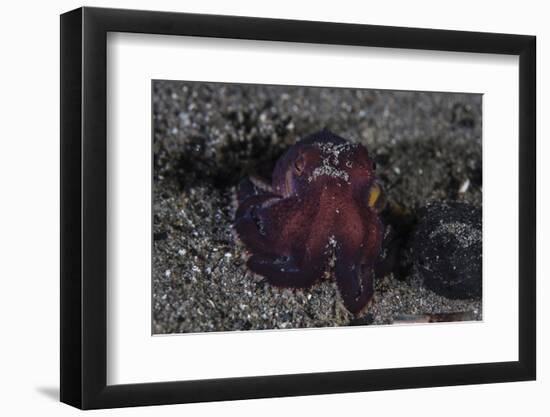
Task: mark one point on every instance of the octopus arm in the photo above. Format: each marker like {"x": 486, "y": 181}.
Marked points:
{"x": 355, "y": 282}
{"x": 276, "y": 231}
{"x": 356, "y": 258}
{"x": 284, "y": 271}
{"x": 250, "y": 223}
{"x": 252, "y": 186}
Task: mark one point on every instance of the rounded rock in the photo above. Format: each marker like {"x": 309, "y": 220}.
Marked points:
{"x": 447, "y": 249}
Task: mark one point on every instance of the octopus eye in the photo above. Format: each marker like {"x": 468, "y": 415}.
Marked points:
{"x": 299, "y": 165}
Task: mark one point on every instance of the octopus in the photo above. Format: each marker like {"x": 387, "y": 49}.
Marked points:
{"x": 319, "y": 216}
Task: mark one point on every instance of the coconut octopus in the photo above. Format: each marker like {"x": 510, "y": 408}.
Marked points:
{"x": 321, "y": 213}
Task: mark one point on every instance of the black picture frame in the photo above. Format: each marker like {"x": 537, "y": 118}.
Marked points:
{"x": 84, "y": 207}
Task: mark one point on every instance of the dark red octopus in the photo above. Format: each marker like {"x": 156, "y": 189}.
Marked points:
{"x": 320, "y": 213}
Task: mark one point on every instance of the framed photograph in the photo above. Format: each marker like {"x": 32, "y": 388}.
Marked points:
{"x": 256, "y": 208}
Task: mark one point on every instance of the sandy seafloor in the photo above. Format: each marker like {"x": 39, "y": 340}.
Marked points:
{"x": 208, "y": 136}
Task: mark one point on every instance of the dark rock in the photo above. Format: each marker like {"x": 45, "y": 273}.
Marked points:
{"x": 447, "y": 249}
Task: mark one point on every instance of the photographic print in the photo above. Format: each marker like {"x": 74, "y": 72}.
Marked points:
{"x": 285, "y": 198}
{"x": 291, "y": 207}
